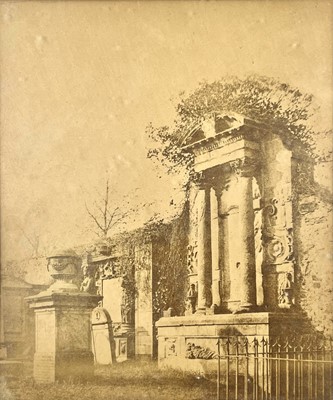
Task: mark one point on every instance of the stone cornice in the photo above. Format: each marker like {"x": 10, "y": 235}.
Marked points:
{"x": 49, "y": 299}
{"x": 225, "y": 151}
{"x": 222, "y": 139}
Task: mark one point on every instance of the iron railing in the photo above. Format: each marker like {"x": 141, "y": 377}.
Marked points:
{"x": 297, "y": 368}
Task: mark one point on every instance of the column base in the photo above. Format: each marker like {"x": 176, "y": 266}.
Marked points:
{"x": 214, "y": 309}
{"x": 245, "y": 308}
{"x": 201, "y": 311}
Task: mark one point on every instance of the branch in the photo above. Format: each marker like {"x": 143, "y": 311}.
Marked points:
{"x": 94, "y": 218}
{"x": 106, "y": 205}
{"x": 34, "y": 244}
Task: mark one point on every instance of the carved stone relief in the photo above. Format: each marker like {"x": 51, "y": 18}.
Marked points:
{"x": 279, "y": 249}
{"x": 170, "y": 347}
{"x": 286, "y": 290}
{"x": 198, "y": 352}
{"x": 191, "y": 300}
{"x": 106, "y": 269}
{"x": 258, "y": 241}
{"x": 192, "y": 252}
{"x": 277, "y": 236}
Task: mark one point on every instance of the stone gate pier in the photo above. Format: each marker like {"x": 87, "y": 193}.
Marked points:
{"x": 242, "y": 260}
{"x": 63, "y": 324}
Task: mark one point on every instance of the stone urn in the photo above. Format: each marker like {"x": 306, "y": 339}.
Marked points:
{"x": 63, "y": 266}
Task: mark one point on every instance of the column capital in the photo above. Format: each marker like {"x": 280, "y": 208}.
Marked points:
{"x": 203, "y": 184}
{"x": 200, "y": 181}
{"x": 244, "y": 166}
{"x": 221, "y": 185}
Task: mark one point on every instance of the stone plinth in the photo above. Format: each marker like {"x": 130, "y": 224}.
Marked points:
{"x": 176, "y": 333}
{"x": 63, "y": 335}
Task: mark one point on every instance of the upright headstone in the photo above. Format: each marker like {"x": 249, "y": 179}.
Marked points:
{"x": 63, "y": 324}
{"x": 102, "y": 337}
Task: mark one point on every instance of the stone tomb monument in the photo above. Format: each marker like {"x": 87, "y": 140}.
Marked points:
{"x": 103, "y": 275}
{"x": 63, "y": 324}
{"x": 243, "y": 224}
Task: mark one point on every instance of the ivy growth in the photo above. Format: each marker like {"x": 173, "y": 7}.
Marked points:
{"x": 283, "y": 108}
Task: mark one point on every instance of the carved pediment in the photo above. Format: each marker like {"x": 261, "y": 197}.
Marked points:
{"x": 211, "y": 125}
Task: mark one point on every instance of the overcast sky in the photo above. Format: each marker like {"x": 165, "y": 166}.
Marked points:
{"x": 81, "y": 81}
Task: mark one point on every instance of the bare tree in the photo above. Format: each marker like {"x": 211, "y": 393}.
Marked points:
{"x": 105, "y": 216}
{"x": 34, "y": 240}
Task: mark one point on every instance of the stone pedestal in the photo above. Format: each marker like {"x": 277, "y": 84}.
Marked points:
{"x": 175, "y": 334}
{"x": 63, "y": 324}
{"x": 63, "y": 336}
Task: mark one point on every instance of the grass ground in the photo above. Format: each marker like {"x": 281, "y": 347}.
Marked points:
{"x": 125, "y": 381}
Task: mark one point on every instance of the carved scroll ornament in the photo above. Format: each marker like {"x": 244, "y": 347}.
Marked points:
{"x": 277, "y": 236}
{"x": 279, "y": 248}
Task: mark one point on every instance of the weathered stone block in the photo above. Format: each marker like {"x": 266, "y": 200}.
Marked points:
{"x": 63, "y": 336}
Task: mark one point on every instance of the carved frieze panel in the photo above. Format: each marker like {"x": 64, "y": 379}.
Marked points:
{"x": 194, "y": 351}
{"x": 219, "y": 142}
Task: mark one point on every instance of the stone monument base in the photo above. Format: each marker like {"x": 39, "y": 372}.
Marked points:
{"x": 175, "y": 334}
{"x": 63, "y": 366}
{"x": 63, "y": 336}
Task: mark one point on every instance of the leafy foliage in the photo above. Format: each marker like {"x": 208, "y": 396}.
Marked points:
{"x": 170, "y": 266}
{"x": 283, "y": 108}
{"x": 160, "y": 249}
{"x": 168, "y": 151}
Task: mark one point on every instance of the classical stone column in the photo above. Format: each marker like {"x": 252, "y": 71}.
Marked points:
{"x": 246, "y": 236}
{"x": 215, "y": 201}
{"x": 204, "y": 249}
{"x": 3, "y": 349}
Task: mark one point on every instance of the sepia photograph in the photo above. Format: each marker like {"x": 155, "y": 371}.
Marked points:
{"x": 166, "y": 194}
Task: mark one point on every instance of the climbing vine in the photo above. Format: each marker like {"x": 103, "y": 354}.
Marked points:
{"x": 284, "y": 109}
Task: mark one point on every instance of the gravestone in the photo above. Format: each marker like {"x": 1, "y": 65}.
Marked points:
{"x": 102, "y": 337}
